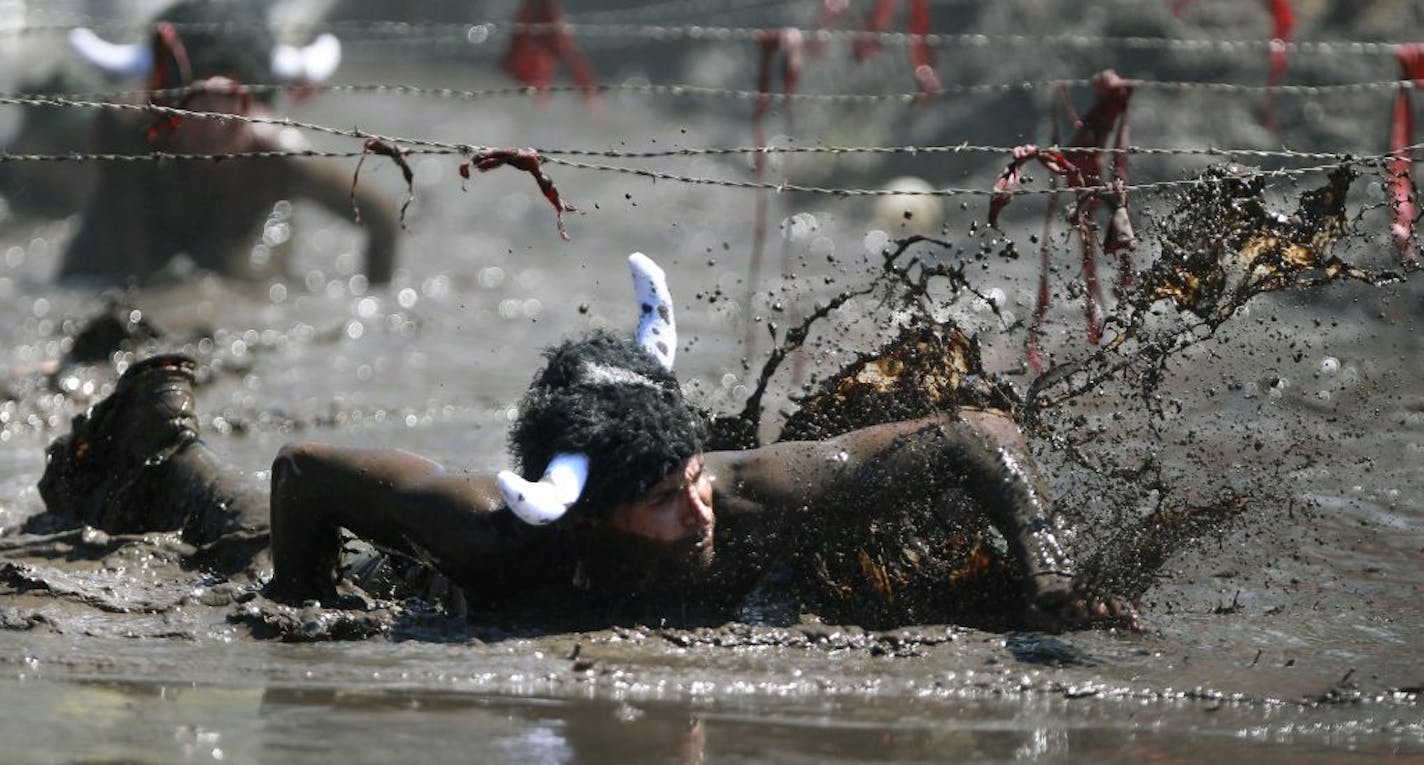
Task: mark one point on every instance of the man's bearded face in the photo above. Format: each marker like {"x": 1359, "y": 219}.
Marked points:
{"x": 664, "y": 539}
{"x": 676, "y": 509}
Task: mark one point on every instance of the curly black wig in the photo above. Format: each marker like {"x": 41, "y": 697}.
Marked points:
{"x": 606, "y": 397}
{"x": 239, "y": 43}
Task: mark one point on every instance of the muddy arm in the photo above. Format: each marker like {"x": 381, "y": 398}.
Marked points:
{"x": 393, "y": 499}
{"x": 889, "y": 465}
{"x": 330, "y": 185}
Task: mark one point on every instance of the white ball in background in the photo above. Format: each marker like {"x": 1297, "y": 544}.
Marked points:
{"x": 913, "y": 213}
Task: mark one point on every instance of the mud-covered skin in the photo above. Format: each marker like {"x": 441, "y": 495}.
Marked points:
{"x": 143, "y": 213}
{"x": 836, "y": 508}
{"x": 890, "y": 525}
{"x": 804, "y": 500}
{"x": 935, "y": 557}
{"x": 134, "y": 463}
{"x": 404, "y": 503}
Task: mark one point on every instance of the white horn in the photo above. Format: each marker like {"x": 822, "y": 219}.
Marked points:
{"x": 657, "y": 330}
{"x": 312, "y": 64}
{"x": 127, "y": 60}
{"x": 542, "y": 502}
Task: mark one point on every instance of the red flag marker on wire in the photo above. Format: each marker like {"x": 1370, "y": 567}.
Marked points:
{"x": 1083, "y": 165}
{"x": 1403, "y": 210}
{"x": 530, "y": 162}
{"x": 534, "y": 54}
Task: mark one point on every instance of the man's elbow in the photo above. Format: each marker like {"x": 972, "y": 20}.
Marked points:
{"x": 291, "y": 462}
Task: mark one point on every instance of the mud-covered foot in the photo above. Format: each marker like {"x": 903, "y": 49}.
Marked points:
{"x": 1075, "y": 607}
{"x": 104, "y": 472}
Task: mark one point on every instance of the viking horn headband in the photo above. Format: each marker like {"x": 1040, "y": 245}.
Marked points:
{"x": 548, "y": 499}
{"x": 133, "y": 60}
{"x": 313, "y": 63}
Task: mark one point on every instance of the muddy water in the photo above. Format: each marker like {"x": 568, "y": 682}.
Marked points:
{"x": 1292, "y": 636}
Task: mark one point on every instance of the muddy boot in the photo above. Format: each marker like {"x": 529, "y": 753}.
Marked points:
{"x": 133, "y": 463}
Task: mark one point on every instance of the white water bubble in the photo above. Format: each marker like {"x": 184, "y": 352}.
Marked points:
{"x": 276, "y": 234}
{"x": 491, "y": 277}
{"x": 799, "y": 226}
{"x": 355, "y": 329}
{"x": 406, "y": 298}
{"x": 1329, "y": 366}
{"x": 277, "y": 293}
{"x": 367, "y": 307}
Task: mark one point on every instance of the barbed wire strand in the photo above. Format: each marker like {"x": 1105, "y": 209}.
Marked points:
{"x": 553, "y": 158}
{"x": 698, "y": 91}
{"x": 694, "y": 32}
{"x": 940, "y": 192}
{"x": 698, "y": 8}
{"x": 445, "y": 147}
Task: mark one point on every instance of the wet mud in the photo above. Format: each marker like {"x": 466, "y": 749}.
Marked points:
{"x": 1234, "y": 572}
{"x": 1237, "y": 456}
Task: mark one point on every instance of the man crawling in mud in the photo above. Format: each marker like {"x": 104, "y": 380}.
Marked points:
{"x": 618, "y": 500}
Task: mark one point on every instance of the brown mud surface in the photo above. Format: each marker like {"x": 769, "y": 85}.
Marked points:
{"x": 1270, "y": 387}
